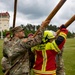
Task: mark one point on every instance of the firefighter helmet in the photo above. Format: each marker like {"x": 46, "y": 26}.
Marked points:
{"x": 48, "y": 34}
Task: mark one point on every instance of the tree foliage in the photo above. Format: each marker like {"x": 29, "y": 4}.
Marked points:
{"x": 29, "y": 28}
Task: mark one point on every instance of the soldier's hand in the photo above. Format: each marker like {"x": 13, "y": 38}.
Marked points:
{"x": 45, "y": 23}
{"x": 25, "y": 40}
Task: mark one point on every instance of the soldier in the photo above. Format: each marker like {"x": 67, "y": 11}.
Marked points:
{"x": 4, "y": 62}
{"x": 45, "y": 53}
{"x": 7, "y": 38}
{"x": 18, "y": 50}
{"x": 60, "y": 63}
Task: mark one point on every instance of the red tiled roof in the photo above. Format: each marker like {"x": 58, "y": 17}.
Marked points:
{"x": 4, "y": 14}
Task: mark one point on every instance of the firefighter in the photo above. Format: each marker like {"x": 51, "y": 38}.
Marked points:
{"x": 45, "y": 53}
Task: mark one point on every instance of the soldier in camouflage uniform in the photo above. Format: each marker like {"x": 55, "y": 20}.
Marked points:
{"x": 60, "y": 63}
{"x": 17, "y": 50}
{"x": 4, "y": 62}
{"x": 7, "y": 38}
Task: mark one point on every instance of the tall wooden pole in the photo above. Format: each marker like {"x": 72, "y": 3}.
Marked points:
{"x": 52, "y": 14}
{"x": 15, "y": 10}
{"x": 72, "y": 19}
{"x": 55, "y": 10}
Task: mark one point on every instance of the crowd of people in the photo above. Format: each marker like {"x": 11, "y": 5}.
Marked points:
{"x": 42, "y": 54}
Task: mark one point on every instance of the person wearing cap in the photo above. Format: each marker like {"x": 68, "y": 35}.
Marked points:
{"x": 4, "y": 61}
{"x": 7, "y": 37}
{"x": 45, "y": 53}
{"x": 18, "y": 50}
{"x": 30, "y": 35}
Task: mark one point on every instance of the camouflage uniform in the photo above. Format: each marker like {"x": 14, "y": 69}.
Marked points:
{"x": 17, "y": 51}
{"x": 60, "y": 64}
{"x": 4, "y": 62}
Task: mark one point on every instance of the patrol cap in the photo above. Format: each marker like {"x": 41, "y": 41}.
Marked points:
{"x": 30, "y": 34}
{"x": 17, "y": 29}
{"x": 7, "y": 33}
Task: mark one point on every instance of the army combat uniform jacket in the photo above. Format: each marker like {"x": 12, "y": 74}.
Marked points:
{"x": 17, "y": 53}
{"x": 4, "y": 61}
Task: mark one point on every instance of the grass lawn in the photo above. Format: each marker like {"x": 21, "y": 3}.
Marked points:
{"x": 68, "y": 56}
{"x": 1, "y": 45}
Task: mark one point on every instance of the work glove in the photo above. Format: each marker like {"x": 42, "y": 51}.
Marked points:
{"x": 62, "y": 26}
{"x": 63, "y": 29}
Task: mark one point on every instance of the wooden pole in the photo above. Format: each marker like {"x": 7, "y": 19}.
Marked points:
{"x": 70, "y": 21}
{"x": 55, "y": 10}
{"x": 52, "y": 14}
{"x": 67, "y": 23}
{"x": 15, "y": 10}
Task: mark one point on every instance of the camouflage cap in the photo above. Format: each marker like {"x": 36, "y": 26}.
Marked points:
{"x": 17, "y": 29}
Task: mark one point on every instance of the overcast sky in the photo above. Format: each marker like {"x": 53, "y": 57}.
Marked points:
{"x": 36, "y": 11}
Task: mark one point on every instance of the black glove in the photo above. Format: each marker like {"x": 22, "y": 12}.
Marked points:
{"x": 62, "y": 26}
{"x": 3, "y": 71}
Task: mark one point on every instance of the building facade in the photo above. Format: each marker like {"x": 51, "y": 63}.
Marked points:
{"x": 4, "y": 21}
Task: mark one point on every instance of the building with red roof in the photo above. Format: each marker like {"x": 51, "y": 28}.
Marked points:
{"x": 4, "y": 21}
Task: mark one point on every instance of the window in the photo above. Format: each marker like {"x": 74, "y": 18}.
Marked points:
{"x": 4, "y": 25}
